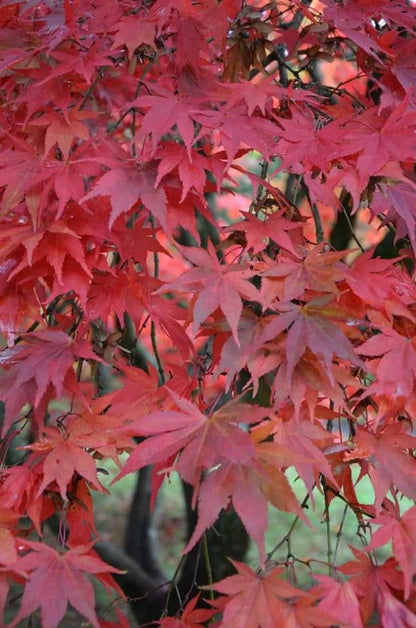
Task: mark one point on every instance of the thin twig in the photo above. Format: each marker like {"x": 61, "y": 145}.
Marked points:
{"x": 152, "y": 325}
{"x": 355, "y": 507}
{"x": 339, "y": 534}
{"x": 207, "y": 564}
{"x": 329, "y": 551}
{"x": 318, "y": 224}
{"x": 134, "y": 110}
{"x": 353, "y": 235}
{"x": 254, "y": 207}
{"x": 315, "y": 213}
{"x": 91, "y": 88}
{"x": 172, "y": 585}
{"x": 286, "y": 538}
{"x": 156, "y": 352}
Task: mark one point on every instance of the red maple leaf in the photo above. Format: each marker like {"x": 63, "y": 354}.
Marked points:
{"x": 400, "y": 382}
{"x": 115, "y": 293}
{"x": 21, "y": 169}
{"x": 55, "y": 248}
{"x": 190, "y": 42}
{"x": 373, "y": 585}
{"x": 191, "y": 166}
{"x": 64, "y": 454}
{"x": 309, "y": 381}
{"x": 137, "y": 242}
{"x": 303, "y": 612}
{"x": 236, "y": 127}
{"x": 371, "y": 278}
{"x": 297, "y": 444}
{"x": 68, "y": 178}
{"x": 249, "y": 487}
{"x": 339, "y": 600}
{"x": 388, "y": 458}
{"x": 324, "y": 142}
{"x": 62, "y": 129}
{"x": 380, "y": 138}
{"x": 255, "y": 599}
{"x": 318, "y": 270}
{"x": 137, "y": 397}
{"x": 8, "y": 549}
{"x": 402, "y": 532}
{"x": 261, "y": 94}
{"x": 393, "y": 612}
{"x": 125, "y": 185}
{"x": 259, "y": 232}
{"x": 121, "y": 125}
{"x": 203, "y": 440}
{"x": 308, "y": 328}
{"x": 56, "y": 579}
{"x": 55, "y": 351}
{"x": 398, "y": 202}
{"x": 166, "y": 110}
{"x": 216, "y": 286}
{"x": 132, "y": 33}
{"x": 19, "y": 493}
{"x": 70, "y": 60}
{"x": 191, "y": 617}
{"x": 80, "y": 514}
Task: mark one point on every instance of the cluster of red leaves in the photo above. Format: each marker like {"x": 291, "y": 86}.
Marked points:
{"x": 118, "y": 121}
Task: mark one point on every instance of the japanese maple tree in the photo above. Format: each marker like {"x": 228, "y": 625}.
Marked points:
{"x": 141, "y": 314}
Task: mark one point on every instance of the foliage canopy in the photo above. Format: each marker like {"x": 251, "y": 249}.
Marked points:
{"x": 241, "y": 344}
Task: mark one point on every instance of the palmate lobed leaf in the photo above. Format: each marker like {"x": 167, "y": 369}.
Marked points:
{"x": 309, "y": 328}
{"x": 55, "y": 351}
{"x": 389, "y": 343}
{"x": 191, "y": 617}
{"x": 389, "y": 451}
{"x": 55, "y": 579}
{"x": 259, "y": 232}
{"x": 249, "y": 488}
{"x": 217, "y": 286}
{"x": 64, "y": 454}
{"x": 201, "y": 440}
{"x": 125, "y": 185}
{"x": 339, "y": 600}
{"x": 372, "y": 585}
{"x": 265, "y": 599}
{"x": 166, "y": 110}
{"x": 401, "y": 531}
